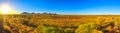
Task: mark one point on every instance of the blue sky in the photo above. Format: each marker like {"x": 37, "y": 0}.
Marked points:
{"x": 66, "y": 6}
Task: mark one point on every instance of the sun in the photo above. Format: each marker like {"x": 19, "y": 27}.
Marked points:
{"x": 5, "y": 9}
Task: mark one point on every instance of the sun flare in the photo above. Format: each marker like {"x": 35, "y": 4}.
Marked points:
{"x": 5, "y": 9}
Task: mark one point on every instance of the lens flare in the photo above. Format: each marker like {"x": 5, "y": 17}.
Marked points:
{"x": 5, "y": 9}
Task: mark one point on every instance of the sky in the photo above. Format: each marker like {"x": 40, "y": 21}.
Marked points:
{"x": 66, "y": 6}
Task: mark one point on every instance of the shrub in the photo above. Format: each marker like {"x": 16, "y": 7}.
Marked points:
{"x": 50, "y": 30}
{"x": 1, "y": 24}
{"x": 69, "y": 30}
{"x": 86, "y": 28}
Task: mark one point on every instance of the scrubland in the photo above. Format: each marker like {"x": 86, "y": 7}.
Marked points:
{"x": 60, "y": 23}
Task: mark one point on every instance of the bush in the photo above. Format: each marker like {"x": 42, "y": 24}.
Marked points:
{"x": 51, "y": 30}
{"x": 69, "y": 30}
{"x": 1, "y": 24}
{"x": 86, "y": 28}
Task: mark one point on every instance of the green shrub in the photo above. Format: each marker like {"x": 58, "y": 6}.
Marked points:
{"x": 86, "y": 28}
{"x": 49, "y": 30}
{"x": 1, "y": 24}
{"x": 69, "y": 30}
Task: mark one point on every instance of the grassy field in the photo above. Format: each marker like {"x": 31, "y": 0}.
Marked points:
{"x": 60, "y": 23}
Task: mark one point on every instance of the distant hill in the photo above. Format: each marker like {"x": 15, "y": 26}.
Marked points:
{"x": 40, "y": 13}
